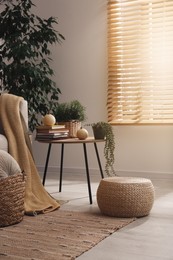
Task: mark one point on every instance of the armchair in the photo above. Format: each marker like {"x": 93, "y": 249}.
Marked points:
{"x": 24, "y": 112}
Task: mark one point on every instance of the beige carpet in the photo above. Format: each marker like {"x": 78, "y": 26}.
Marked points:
{"x": 56, "y": 235}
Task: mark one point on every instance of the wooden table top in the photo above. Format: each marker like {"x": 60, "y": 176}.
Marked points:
{"x": 72, "y": 141}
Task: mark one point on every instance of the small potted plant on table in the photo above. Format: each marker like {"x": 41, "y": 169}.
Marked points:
{"x": 71, "y": 114}
{"x": 103, "y": 130}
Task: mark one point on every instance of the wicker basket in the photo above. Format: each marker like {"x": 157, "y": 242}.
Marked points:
{"x": 73, "y": 127}
{"x": 12, "y": 190}
{"x": 125, "y": 196}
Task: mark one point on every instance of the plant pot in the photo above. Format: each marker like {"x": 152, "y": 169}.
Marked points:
{"x": 73, "y": 126}
{"x": 99, "y": 132}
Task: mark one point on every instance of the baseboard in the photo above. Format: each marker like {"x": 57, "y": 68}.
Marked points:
{"x": 149, "y": 175}
{"x": 53, "y": 171}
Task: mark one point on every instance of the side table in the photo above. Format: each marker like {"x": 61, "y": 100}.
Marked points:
{"x": 73, "y": 141}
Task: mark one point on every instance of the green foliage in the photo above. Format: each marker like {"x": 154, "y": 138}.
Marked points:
{"x": 25, "y": 56}
{"x": 68, "y": 111}
{"x": 109, "y": 147}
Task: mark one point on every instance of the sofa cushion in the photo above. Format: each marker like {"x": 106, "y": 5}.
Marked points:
{"x": 8, "y": 165}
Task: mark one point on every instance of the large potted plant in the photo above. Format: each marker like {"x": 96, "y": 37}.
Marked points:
{"x": 25, "y": 57}
{"x": 71, "y": 114}
{"x": 103, "y": 130}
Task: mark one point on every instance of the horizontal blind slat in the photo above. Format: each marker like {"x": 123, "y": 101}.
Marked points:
{"x": 140, "y": 67}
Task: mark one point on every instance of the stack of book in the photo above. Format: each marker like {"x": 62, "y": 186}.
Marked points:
{"x": 51, "y": 132}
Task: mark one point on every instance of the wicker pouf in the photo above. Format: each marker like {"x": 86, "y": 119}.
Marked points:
{"x": 125, "y": 196}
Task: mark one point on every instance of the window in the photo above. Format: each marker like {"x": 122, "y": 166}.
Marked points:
{"x": 140, "y": 62}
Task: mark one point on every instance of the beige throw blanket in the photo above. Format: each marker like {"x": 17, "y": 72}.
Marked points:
{"x": 36, "y": 197}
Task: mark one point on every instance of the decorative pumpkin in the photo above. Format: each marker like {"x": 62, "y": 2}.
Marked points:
{"x": 82, "y": 133}
{"x": 49, "y": 120}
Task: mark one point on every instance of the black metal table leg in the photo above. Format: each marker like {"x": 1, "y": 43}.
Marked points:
{"x": 98, "y": 159}
{"x": 46, "y": 164}
{"x": 61, "y": 166}
{"x": 87, "y": 173}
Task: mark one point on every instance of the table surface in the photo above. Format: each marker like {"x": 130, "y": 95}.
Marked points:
{"x": 72, "y": 141}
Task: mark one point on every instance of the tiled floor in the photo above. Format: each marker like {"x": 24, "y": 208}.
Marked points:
{"x": 148, "y": 238}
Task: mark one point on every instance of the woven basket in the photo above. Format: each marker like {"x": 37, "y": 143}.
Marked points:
{"x": 12, "y": 190}
{"x": 125, "y": 196}
{"x": 73, "y": 127}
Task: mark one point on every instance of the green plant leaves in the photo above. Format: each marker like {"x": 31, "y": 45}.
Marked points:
{"x": 68, "y": 111}
{"x": 109, "y": 147}
{"x": 25, "y": 55}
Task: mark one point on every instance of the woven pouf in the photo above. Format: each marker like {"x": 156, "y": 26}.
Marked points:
{"x": 125, "y": 196}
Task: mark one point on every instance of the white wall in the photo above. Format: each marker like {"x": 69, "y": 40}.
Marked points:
{"x": 80, "y": 66}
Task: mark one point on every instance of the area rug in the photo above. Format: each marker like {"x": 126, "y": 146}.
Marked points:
{"x": 56, "y": 235}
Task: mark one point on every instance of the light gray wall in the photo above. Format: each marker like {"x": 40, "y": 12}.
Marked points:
{"x": 80, "y": 66}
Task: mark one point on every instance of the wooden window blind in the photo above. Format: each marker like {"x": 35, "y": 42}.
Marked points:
{"x": 140, "y": 62}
